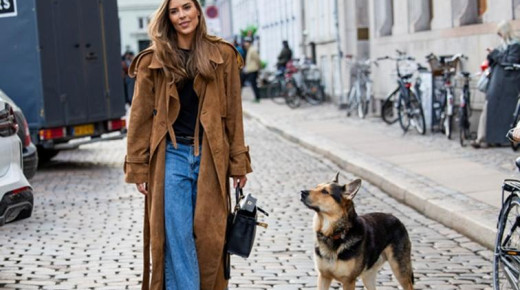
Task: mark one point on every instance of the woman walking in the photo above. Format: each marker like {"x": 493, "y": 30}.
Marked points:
{"x": 185, "y": 140}
{"x": 503, "y": 89}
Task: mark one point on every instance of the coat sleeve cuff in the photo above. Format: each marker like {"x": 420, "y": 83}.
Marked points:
{"x": 135, "y": 172}
{"x": 240, "y": 162}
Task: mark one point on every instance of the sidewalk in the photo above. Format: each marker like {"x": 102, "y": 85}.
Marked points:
{"x": 459, "y": 187}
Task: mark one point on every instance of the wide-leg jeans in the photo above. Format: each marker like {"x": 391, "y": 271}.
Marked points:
{"x": 180, "y": 194}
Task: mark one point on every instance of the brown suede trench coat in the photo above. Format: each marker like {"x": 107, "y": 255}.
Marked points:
{"x": 155, "y": 107}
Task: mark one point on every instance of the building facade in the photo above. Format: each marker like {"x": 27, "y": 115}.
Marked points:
{"x": 225, "y": 19}
{"x": 244, "y": 14}
{"x": 278, "y": 21}
{"x": 321, "y": 35}
{"x": 134, "y": 16}
{"x": 442, "y": 27}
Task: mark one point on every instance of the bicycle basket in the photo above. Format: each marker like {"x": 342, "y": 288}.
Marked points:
{"x": 439, "y": 65}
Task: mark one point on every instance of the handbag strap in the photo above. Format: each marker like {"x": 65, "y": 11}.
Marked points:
{"x": 239, "y": 195}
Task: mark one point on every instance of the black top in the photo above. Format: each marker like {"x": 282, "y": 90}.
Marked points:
{"x": 184, "y": 125}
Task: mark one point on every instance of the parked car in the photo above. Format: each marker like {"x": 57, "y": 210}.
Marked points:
{"x": 29, "y": 151}
{"x": 16, "y": 193}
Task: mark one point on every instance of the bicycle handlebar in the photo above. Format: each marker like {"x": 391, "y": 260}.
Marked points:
{"x": 511, "y": 66}
{"x": 362, "y": 62}
{"x": 453, "y": 58}
{"x": 458, "y": 56}
{"x": 400, "y": 52}
{"x": 400, "y": 58}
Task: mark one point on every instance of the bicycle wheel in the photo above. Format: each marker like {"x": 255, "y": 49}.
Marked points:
{"x": 506, "y": 263}
{"x": 362, "y": 105}
{"x": 369, "y": 98}
{"x": 447, "y": 124}
{"x": 292, "y": 98}
{"x": 314, "y": 95}
{"x": 417, "y": 114}
{"x": 275, "y": 92}
{"x": 389, "y": 109}
{"x": 352, "y": 100}
{"x": 403, "y": 113}
{"x": 464, "y": 134}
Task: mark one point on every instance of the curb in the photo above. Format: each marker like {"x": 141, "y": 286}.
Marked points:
{"x": 472, "y": 218}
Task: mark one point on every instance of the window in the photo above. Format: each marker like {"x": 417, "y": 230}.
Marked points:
{"x": 362, "y": 20}
{"x": 141, "y": 22}
{"x": 384, "y": 12}
{"x": 467, "y": 12}
{"x": 420, "y": 16}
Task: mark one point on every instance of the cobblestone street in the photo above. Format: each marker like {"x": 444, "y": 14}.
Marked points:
{"x": 86, "y": 228}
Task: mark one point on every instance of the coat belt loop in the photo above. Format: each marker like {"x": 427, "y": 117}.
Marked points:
{"x": 172, "y": 135}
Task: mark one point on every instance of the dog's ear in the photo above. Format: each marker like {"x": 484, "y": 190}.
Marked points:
{"x": 335, "y": 180}
{"x": 352, "y": 188}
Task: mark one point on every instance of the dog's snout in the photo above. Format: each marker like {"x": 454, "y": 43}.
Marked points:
{"x": 305, "y": 193}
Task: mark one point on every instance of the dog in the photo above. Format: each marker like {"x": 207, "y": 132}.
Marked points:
{"x": 348, "y": 245}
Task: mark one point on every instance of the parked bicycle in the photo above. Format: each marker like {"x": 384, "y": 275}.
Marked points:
{"x": 274, "y": 82}
{"x": 443, "y": 99}
{"x": 506, "y": 262}
{"x": 303, "y": 81}
{"x": 465, "y": 111}
{"x": 403, "y": 104}
{"x": 516, "y": 114}
{"x": 360, "y": 94}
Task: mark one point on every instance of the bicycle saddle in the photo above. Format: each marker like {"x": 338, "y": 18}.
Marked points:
{"x": 465, "y": 73}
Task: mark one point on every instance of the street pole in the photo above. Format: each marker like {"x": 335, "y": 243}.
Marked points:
{"x": 304, "y": 28}
{"x": 342, "y": 98}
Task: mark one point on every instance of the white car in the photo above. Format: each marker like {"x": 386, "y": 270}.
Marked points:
{"x": 15, "y": 191}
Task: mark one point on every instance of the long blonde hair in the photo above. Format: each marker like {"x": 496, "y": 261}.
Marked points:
{"x": 166, "y": 49}
{"x": 505, "y": 29}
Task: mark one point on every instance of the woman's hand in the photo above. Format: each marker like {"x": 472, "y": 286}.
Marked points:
{"x": 142, "y": 188}
{"x": 516, "y": 134}
{"x": 239, "y": 180}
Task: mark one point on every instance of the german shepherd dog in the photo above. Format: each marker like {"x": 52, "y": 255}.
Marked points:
{"x": 348, "y": 245}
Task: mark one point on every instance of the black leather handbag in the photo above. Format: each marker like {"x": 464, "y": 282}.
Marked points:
{"x": 241, "y": 226}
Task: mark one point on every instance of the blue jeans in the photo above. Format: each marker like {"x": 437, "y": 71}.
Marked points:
{"x": 181, "y": 269}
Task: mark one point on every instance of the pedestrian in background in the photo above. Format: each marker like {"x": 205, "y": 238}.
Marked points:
{"x": 502, "y": 91}
{"x": 185, "y": 140}
{"x": 253, "y": 65}
{"x": 128, "y": 82}
{"x": 284, "y": 56}
{"x": 242, "y": 52}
